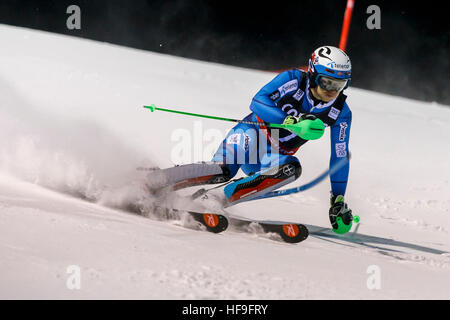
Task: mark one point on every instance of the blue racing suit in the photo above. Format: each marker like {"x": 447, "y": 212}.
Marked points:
{"x": 253, "y": 148}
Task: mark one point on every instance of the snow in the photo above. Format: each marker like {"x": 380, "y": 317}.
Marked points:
{"x": 76, "y": 141}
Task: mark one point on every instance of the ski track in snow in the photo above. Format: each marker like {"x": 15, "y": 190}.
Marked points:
{"x": 75, "y": 134}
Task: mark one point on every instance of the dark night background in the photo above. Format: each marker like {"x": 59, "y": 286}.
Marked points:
{"x": 408, "y": 56}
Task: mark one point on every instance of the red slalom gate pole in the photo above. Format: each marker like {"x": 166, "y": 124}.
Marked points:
{"x": 346, "y": 25}
{"x": 344, "y": 33}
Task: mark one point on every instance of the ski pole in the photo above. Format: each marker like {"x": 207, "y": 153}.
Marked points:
{"x": 306, "y": 129}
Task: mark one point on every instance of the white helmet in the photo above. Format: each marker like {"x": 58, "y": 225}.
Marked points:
{"x": 330, "y": 68}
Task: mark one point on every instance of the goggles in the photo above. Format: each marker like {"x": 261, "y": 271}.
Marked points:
{"x": 332, "y": 84}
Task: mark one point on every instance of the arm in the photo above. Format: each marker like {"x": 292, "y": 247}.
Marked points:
{"x": 340, "y": 135}
{"x": 264, "y": 102}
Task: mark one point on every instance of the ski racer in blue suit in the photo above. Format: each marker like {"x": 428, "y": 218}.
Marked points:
{"x": 266, "y": 155}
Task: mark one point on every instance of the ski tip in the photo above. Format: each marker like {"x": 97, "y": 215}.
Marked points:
{"x": 215, "y": 223}
{"x": 294, "y": 233}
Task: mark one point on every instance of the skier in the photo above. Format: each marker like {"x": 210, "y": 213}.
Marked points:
{"x": 266, "y": 155}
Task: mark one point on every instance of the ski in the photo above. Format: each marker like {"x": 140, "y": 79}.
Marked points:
{"x": 180, "y": 177}
{"x": 213, "y": 222}
{"x": 288, "y": 231}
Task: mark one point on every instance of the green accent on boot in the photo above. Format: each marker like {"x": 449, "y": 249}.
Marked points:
{"x": 336, "y": 199}
{"x": 342, "y": 227}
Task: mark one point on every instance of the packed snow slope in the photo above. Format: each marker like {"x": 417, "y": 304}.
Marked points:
{"x": 76, "y": 143}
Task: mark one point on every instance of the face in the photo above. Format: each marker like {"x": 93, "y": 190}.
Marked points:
{"x": 329, "y": 88}
{"x": 324, "y": 95}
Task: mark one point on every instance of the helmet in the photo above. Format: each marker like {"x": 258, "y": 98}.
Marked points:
{"x": 330, "y": 68}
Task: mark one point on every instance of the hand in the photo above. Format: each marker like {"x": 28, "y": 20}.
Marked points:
{"x": 290, "y": 120}
{"x": 307, "y": 127}
{"x": 307, "y": 116}
{"x": 340, "y": 215}
{"x": 293, "y": 120}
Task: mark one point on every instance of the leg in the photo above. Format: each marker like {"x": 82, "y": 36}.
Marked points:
{"x": 239, "y": 150}
{"x": 234, "y": 151}
{"x": 275, "y": 173}
{"x": 187, "y": 175}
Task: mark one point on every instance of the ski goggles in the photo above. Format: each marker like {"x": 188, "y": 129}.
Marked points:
{"x": 332, "y": 84}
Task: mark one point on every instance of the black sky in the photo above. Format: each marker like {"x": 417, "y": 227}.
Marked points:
{"x": 408, "y": 56}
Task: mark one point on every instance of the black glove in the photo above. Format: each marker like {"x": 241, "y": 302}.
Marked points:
{"x": 339, "y": 209}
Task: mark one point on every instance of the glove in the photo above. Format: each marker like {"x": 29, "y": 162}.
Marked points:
{"x": 293, "y": 120}
{"x": 340, "y": 214}
{"x": 309, "y": 127}
{"x": 307, "y": 116}
{"x": 290, "y": 120}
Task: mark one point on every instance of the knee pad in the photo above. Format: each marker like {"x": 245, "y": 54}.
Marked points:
{"x": 291, "y": 169}
{"x": 286, "y": 170}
